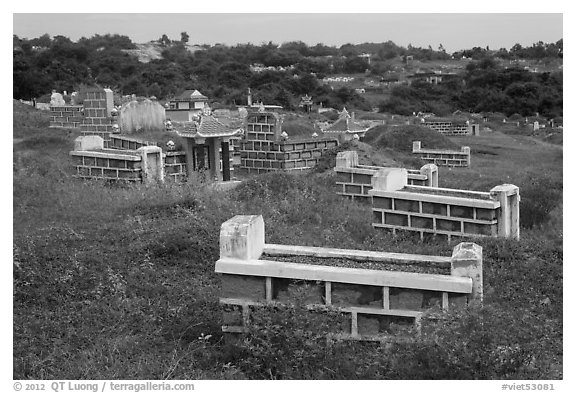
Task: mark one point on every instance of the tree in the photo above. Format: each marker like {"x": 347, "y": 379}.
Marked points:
{"x": 164, "y": 40}
{"x": 184, "y": 37}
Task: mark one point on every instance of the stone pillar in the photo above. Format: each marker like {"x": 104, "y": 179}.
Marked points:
{"x": 225, "y": 146}
{"x": 466, "y": 150}
{"x": 475, "y": 129}
{"x": 188, "y": 145}
{"x": 88, "y": 142}
{"x": 416, "y": 146}
{"x": 509, "y": 213}
{"x": 347, "y": 159}
{"x": 199, "y": 143}
{"x": 152, "y": 164}
{"x": 431, "y": 172}
{"x": 389, "y": 179}
{"x": 109, "y": 97}
{"x": 242, "y": 237}
{"x": 467, "y": 262}
{"x": 214, "y": 159}
{"x": 536, "y": 126}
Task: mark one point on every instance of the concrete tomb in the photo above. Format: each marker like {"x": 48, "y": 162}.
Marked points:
{"x": 376, "y": 304}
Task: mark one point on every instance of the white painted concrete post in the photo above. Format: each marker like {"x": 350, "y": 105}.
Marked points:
{"x": 466, "y": 150}
{"x": 347, "y": 159}
{"x": 509, "y": 214}
{"x": 467, "y": 262}
{"x": 152, "y": 164}
{"x": 416, "y": 146}
{"x": 431, "y": 171}
{"x": 109, "y": 101}
{"x": 88, "y": 142}
{"x": 242, "y": 237}
{"x": 390, "y": 179}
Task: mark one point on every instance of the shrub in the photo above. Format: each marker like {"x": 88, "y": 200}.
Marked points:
{"x": 539, "y": 196}
{"x": 477, "y": 343}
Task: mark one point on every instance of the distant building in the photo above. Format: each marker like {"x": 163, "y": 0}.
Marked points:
{"x": 187, "y": 105}
{"x": 434, "y": 78}
{"x": 366, "y": 56}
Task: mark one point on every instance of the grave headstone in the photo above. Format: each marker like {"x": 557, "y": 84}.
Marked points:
{"x": 56, "y": 99}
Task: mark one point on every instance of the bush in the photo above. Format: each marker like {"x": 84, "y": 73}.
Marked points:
{"x": 478, "y": 343}
{"x": 539, "y": 196}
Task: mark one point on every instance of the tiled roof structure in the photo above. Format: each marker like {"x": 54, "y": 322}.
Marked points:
{"x": 207, "y": 127}
{"x": 345, "y": 124}
{"x": 191, "y": 95}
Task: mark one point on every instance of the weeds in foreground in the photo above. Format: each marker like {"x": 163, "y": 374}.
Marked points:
{"x": 117, "y": 282}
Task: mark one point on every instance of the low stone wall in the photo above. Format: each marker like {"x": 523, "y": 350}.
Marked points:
{"x": 258, "y": 156}
{"x": 354, "y": 180}
{"x": 452, "y": 158}
{"x": 93, "y": 161}
{"x": 108, "y": 165}
{"x": 449, "y": 128}
{"x": 446, "y": 212}
{"x": 67, "y": 116}
{"x": 374, "y": 301}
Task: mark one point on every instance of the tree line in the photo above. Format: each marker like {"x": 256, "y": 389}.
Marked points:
{"x": 485, "y": 86}
{"x": 223, "y": 72}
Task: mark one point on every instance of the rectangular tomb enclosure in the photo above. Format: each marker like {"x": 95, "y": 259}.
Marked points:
{"x": 377, "y": 302}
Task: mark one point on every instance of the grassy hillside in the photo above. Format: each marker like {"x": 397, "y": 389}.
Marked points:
{"x": 117, "y": 282}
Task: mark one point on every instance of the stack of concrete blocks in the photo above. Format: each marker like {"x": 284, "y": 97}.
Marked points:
{"x": 267, "y": 156}
{"x": 67, "y": 116}
{"x": 175, "y": 166}
{"x": 449, "y": 128}
{"x": 451, "y": 158}
{"x": 372, "y": 302}
{"x": 355, "y": 181}
{"x": 98, "y": 104}
{"x": 93, "y": 161}
{"x": 263, "y": 148}
{"x": 450, "y": 213}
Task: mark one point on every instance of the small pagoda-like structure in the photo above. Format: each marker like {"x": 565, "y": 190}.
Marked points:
{"x": 346, "y": 128}
{"x": 207, "y": 144}
{"x": 306, "y": 103}
{"x": 186, "y": 105}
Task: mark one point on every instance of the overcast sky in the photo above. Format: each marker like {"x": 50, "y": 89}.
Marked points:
{"x": 453, "y": 31}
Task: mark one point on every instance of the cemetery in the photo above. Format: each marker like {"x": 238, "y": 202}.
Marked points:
{"x": 380, "y": 250}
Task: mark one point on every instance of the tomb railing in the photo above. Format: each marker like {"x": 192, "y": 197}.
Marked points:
{"x": 450, "y": 213}
{"x": 443, "y": 157}
{"x": 377, "y": 292}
